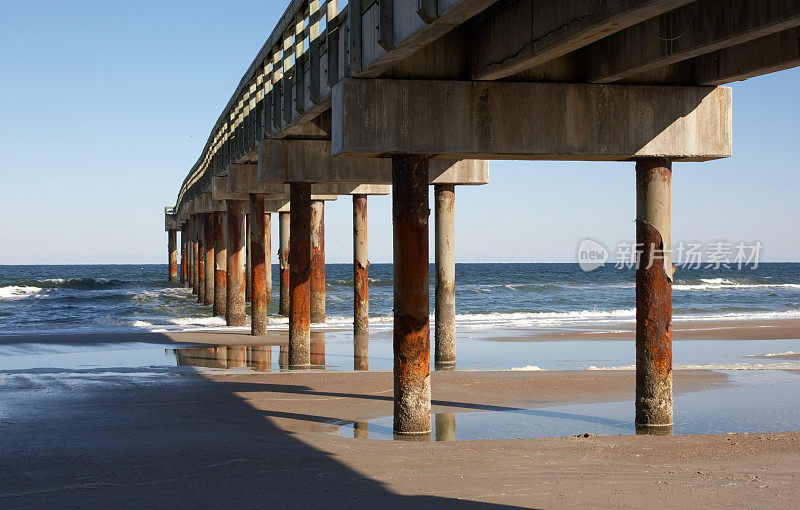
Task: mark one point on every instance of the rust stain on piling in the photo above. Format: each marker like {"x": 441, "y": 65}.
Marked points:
{"x": 208, "y": 229}
{"x": 201, "y": 272}
{"x": 172, "y": 250}
{"x": 317, "y": 282}
{"x": 258, "y": 257}
{"x": 360, "y": 267}
{"x": 283, "y": 260}
{"x": 300, "y": 275}
{"x": 654, "y": 399}
{"x": 220, "y": 263}
{"x": 235, "y": 303}
{"x": 412, "y": 392}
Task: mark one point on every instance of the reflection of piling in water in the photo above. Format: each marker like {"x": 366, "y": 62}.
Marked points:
{"x": 283, "y": 357}
{"x": 317, "y": 350}
{"x": 445, "y": 426}
{"x": 205, "y": 357}
{"x": 654, "y": 431}
{"x": 361, "y": 430}
{"x": 236, "y": 357}
{"x": 361, "y": 352}
{"x": 260, "y": 358}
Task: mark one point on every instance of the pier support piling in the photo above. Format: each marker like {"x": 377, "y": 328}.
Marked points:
{"x": 220, "y": 264}
{"x": 172, "y": 253}
{"x": 654, "y": 295}
{"x": 201, "y": 269}
{"x": 445, "y": 300}
{"x": 299, "y": 285}
{"x": 258, "y": 258}
{"x": 317, "y": 282}
{"x": 360, "y": 267}
{"x": 249, "y": 263}
{"x": 194, "y": 255}
{"x": 284, "y": 221}
{"x": 183, "y": 255}
{"x": 412, "y": 350}
{"x": 235, "y": 313}
{"x": 208, "y": 263}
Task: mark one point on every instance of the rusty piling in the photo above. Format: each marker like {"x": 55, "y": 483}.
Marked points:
{"x": 299, "y": 283}
{"x": 360, "y": 267}
{"x": 445, "y": 299}
{"x": 194, "y": 254}
{"x": 654, "y": 295}
{"x": 183, "y": 255}
{"x": 268, "y": 256}
{"x": 317, "y": 350}
{"x": 248, "y": 272}
{"x": 284, "y": 222}
{"x": 172, "y": 254}
{"x": 220, "y": 264}
{"x": 235, "y": 313}
{"x": 208, "y": 263}
{"x": 258, "y": 258}
{"x": 201, "y": 261}
{"x": 412, "y": 350}
{"x": 317, "y": 282}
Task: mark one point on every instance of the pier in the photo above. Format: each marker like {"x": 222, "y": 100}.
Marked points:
{"x": 380, "y": 96}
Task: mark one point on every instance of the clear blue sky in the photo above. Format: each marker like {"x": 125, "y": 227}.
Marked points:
{"x": 106, "y": 105}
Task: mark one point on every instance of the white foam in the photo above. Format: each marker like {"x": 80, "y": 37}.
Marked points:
{"x": 527, "y": 368}
{"x": 15, "y": 292}
{"x": 727, "y": 284}
{"x": 788, "y": 365}
{"x": 773, "y": 354}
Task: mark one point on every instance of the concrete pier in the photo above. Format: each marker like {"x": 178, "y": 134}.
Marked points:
{"x": 445, "y": 300}
{"x": 172, "y": 253}
{"x": 284, "y": 222}
{"x": 412, "y": 351}
{"x": 183, "y": 255}
{"x": 258, "y": 278}
{"x": 220, "y": 264}
{"x": 194, "y": 255}
{"x": 654, "y": 295}
{"x": 360, "y": 267}
{"x": 235, "y": 313}
{"x": 317, "y": 282}
{"x": 201, "y": 268}
{"x": 208, "y": 263}
{"x": 299, "y": 284}
{"x": 249, "y": 263}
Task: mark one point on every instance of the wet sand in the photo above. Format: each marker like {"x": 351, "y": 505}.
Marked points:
{"x": 788, "y": 329}
{"x": 87, "y": 439}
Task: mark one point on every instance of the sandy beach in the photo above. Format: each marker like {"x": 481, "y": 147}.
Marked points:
{"x": 96, "y": 440}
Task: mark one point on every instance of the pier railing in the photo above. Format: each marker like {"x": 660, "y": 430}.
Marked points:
{"x": 291, "y": 77}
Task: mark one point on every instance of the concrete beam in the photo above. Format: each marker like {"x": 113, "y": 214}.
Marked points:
{"x": 769, "y": 54}
{"x": 244, "y": 179}
{"x": 526, "y": 33}
{"x": 534, "y": 121}
{"x": 688, "y": 32}
{"x": 170, "y": 222}
{"x": 311, "y": 161}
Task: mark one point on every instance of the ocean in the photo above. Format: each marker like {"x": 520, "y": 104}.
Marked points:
{"x": 109, "y": 298}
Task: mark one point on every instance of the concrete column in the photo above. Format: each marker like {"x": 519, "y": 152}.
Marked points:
{"x": 268, "y": 255}
{"x": 284, "y": 221}
{"x": 201, "y": 261}
{"x": 258, "y": 278}
{"x": 412, "y": 348}
{"x": 317, "y": 261}
{"x": 235, "y": 313}
{"x": 194, "y": 254}
{"x": 445, "y": 427}
{"x": 360, "y": 268}
{"x": 654, "y": 295}
{"x": 248, "y": 265}
{"x": 445, "y": 301}
{"x": 208, "y": 263}
{"x": 299, "y": 284}
{"x": 172, "y": 251}
{"x": 184, "y": 262}
{"x": 220, "y": 264}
